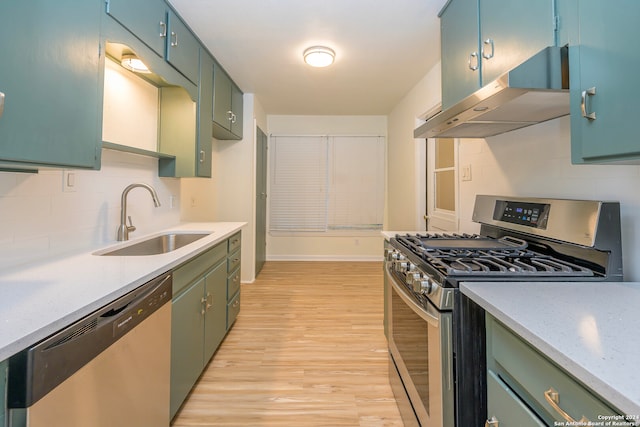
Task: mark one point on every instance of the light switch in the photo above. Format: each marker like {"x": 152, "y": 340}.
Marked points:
{"x": 68, "y": 181}
{"x": 466, "y": 172}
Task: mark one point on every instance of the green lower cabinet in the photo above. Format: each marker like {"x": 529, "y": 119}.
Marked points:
{"x": 506, "y": 408}
{"x": 519, "y": 377}
{"x": 215, "y": 311}
{"x": 4, "y": 366}
{"x": 203, "y": 310}
{"x": 187, "y": 331}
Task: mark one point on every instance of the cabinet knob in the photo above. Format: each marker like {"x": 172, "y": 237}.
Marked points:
{"x": 589, "y": 115}
{"x": 485, "y": 55}
{"x": 473, "y": 56}
{"x": 492, "y": 422}
{"x": 553, "y": 398}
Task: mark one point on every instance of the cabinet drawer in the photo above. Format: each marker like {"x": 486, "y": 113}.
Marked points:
{"x": 233, "y": 262}
{"x": 506, "y": 407}
{"x": 233, "y": 308}
{"x": 532, "y": 375}
{"x": 234, "y": 242}
{"x": 186, "y": 273}
{"x": 233, "y": 284}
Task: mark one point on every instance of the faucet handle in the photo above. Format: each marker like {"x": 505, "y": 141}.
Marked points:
{"x": 131, "y": 227}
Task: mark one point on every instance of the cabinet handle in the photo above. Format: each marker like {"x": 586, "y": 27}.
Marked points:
{"x": 553, "y": 398}
{"x": 492, "y": 422}
{"x": 485, "y": 55}
{"x": 583, "y": 103}
{"x": 174, "y": 39}
{"x": 229, "y": 115}
{"x": 209, "y": 302}
{"x": 201, "y": 156}
{"x": 1, "y": 103}
{"x": 472, "y": 56}
{"x": 163, "y": 29}
{"x": 236, "y": 304}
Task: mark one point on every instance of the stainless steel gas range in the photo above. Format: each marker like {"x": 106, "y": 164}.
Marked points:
{"x": 437, "y": 336}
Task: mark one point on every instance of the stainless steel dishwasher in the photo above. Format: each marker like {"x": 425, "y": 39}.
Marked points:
{"x": 109, "y": 369}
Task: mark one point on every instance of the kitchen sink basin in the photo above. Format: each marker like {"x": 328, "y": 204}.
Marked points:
{"x": 156, "y": 245}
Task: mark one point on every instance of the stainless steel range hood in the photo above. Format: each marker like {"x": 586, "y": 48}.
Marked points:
{"x": 535, "y": 91}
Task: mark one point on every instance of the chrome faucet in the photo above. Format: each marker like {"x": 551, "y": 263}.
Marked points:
{"x": 124, "y": 229}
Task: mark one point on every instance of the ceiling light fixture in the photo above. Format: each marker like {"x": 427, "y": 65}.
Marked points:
{"x": 133, "y": 63}
{"x": 319, "y": 56}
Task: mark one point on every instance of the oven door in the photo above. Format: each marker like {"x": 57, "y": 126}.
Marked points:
{"x": 420, "y": 344}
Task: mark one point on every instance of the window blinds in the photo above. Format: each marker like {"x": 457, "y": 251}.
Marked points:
{"x": 321, "y": 183}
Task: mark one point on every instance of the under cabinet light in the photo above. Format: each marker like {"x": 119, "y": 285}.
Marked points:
{"x": 133, "y": 63}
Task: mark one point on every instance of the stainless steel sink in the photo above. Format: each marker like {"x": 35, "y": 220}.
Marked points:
{"x": 156, "y": 245}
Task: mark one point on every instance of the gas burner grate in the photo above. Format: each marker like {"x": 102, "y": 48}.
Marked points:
{"x": 459, "y": 260}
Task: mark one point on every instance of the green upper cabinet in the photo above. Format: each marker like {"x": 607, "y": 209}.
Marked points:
{"x": 205, "y": 112}
{"x": 459, "y": 34}
{"x": 482, "y": 39}
{"x": 227, "y": 106}
{"x": 603, "y": 62}
{"x": 147, "y": 19}
{"x": 51, "y": 74}
{"x": 159, "y": 28}
{"x": 182, "y": 48}
{"x": 512, "y": 32}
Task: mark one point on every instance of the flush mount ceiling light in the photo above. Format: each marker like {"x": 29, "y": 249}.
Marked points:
{"x": 319, "y": 56}
{"x": 133, "y": 63}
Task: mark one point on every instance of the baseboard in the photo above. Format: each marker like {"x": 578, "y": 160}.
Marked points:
{"x": 352, "y": 258}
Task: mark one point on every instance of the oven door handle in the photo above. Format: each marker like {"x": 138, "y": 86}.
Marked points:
{"x": 431, "y": 318}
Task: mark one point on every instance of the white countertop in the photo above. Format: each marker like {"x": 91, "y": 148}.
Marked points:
{"x": 41, "y": 299}
{"x": 591, "y": 329}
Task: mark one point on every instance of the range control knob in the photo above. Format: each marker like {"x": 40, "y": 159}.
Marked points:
{"x": 423, "y": 286}
{"x": 412, "y": 276}
{"x": 390, "y": 254}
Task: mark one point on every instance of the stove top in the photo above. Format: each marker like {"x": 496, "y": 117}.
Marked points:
{"x": 453, "y": 254}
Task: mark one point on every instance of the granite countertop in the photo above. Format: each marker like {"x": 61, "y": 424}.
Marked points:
{"x": 591, "y": 329}
{"x": 41, "y": 299}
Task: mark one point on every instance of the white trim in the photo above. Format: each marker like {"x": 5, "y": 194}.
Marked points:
{"x": 357, "y": 258}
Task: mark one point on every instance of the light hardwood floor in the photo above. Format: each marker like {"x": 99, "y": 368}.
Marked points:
{"x": 308, "y": 349}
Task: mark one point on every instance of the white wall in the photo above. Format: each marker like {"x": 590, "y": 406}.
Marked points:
{"x": 533, "y": 161}
{"x": 329, "y": 246}
{"x": 405, "y": 201}
{"x": 39, "y": 220}
{"x": 536, "y": 161}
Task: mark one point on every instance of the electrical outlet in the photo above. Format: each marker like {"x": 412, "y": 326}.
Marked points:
{"x": 68, "y": 181}
{"x": 466, "y": 172}
{"x": 193, "y": 202}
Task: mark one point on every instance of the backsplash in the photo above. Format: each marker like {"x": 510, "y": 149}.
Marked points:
{"x": 536, "y": 162}
{"x": 39, "y": 219}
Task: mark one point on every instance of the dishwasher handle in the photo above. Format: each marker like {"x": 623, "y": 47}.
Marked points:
{"x": 37, "y": 370}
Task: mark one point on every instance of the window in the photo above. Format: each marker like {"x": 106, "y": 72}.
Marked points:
{"x": 442, "y": 194}
{"x": 326, "y": 183}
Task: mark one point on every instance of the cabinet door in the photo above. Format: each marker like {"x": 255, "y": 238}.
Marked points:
{"x": 182, "y": 48}
{"x": 221, "y": 97}
{"x": 237, "y": 104}
{"x": 216, "y": 310}
{"x": 606, "y": 60}
{"x": 187, "y": 329}
{"x": 51, "y": 73}
{"x": 512, "y": 32}
{"x": 147, "y": 19}
{"x": 459, "y": 43}
{"x": 506, "y": 407}
{"x": 205, "y": 112}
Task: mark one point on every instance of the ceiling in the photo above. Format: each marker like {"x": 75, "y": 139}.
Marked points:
{"x": 383, "y": 48}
